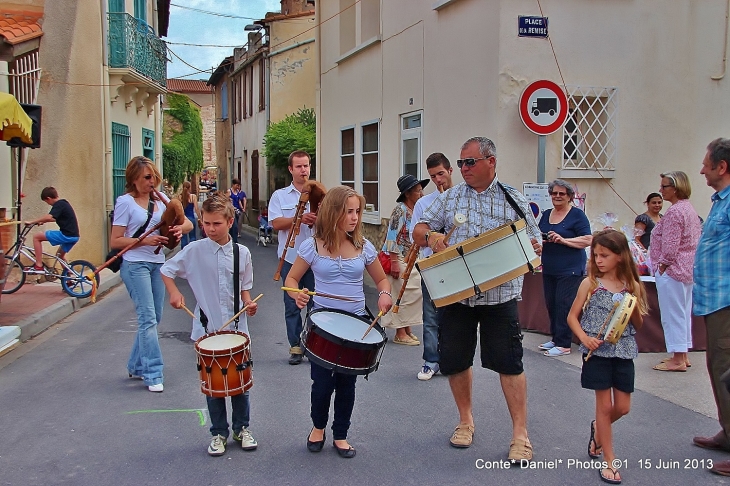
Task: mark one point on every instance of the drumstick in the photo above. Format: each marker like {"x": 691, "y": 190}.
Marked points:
{"x": 459, "y": 219}
{"x": 240, "y": 312}
{"x": 321, "y": 294}
{"x": 380, "y": 314}
{"x": 188, "y": 311}
{"x": 608, "y": 318}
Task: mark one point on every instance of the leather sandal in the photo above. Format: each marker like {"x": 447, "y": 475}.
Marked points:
{"x": 463, "y": 436}
{"x": 665, "y": 367}
{"x": 519, "y": 450}
{"x": 686, "y": 362}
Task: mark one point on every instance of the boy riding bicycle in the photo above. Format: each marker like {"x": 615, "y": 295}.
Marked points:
{"x": 64, "y": 216}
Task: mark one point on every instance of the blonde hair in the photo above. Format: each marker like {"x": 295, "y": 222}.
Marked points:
{"x": 681, "y": 184}
{"x": 626, "y": 271}
{"x": 332, "y": 211}
{"x": 220, "y": 203}
{"x": 135, "y": 168}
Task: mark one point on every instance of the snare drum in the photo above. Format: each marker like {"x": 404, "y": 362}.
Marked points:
{"x": 620, "y": 319}
{"x": 333, "y": 339}
{"x": 224, "y": 363}
{"x": 478, "y": 264}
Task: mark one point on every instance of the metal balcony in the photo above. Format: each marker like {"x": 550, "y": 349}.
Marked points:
{"x": 135, "y": 48}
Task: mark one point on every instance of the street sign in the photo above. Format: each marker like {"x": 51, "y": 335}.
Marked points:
{"x": 543, "y": 107}
{"x": 528, "y": 26}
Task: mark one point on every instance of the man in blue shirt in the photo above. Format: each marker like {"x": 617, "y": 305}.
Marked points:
{"x": 711, "y": 291}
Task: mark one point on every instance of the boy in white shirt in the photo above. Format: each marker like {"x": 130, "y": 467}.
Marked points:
{"x": 207, "y": 265}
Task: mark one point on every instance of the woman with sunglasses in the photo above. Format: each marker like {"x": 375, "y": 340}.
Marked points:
{"x": 566, "y": 233}
{"x": 140, "y": 269}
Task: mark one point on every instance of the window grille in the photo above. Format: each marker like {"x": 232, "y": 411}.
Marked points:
{"x": 589, "y": 133}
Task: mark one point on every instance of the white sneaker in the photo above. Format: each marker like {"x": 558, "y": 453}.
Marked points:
{"x": 158, "y": 388}
{"x": 248, "y": 443}
{"x": 217, "y": 446}
{"x": 427, "y": 372}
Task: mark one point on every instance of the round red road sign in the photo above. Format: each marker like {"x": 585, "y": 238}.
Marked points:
{"x": 543, "y": 107}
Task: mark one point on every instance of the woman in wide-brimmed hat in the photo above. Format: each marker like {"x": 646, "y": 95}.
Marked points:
{"x": 397, "y": 244}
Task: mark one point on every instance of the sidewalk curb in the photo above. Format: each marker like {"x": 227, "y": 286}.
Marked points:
{"x": 35, "y": 324}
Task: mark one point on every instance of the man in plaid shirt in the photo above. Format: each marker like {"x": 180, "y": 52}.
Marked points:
{"x": 483, "y": 200}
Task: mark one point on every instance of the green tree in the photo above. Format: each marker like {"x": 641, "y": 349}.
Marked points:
{"x": 182, "y": 146}
{"x": 295, "y": 132}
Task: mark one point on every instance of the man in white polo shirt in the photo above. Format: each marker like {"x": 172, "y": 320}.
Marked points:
{"x": 282, "y": 209}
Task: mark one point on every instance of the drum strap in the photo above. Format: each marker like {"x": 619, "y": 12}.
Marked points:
{"x": 236, "y": 291}
{"x": 522, "y": 215}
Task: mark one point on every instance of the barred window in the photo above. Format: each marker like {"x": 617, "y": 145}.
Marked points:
{"x": 589, "y": 133}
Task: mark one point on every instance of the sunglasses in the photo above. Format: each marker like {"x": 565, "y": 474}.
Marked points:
{"x": 556, "y": 194}
{"x": 470, "y": 162}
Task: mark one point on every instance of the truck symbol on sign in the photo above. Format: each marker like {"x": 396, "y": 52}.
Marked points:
{"x": 545, "y": 105}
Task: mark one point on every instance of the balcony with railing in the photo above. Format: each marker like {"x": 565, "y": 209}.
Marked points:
{"x": 137, "y": 61}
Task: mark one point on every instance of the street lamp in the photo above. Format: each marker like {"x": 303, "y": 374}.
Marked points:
{"x": 256, "y": 28}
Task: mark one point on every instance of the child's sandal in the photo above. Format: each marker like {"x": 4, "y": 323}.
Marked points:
{"x": 594, "y": 450}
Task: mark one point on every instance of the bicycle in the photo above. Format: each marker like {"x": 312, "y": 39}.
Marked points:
{"x": 73, "y": 275}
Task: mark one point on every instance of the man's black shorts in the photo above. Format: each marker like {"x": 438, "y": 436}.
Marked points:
{"x": 500, "y": 338}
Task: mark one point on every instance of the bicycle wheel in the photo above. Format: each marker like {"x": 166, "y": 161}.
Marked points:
{"x": 76, "y": 282}
{"x": 14, "y": 276}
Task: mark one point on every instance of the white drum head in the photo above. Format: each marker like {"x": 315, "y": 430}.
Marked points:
{"x": 345, "y": 327}
{"x": 221, "y": 342}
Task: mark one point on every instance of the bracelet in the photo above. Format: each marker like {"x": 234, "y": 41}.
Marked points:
{"x": 384, "y": 292}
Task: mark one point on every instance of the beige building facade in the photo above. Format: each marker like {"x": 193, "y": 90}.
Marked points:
{"x": 400, "y": 79}
{"x": 272, "y": 76}
{"x": 102, "y": 68}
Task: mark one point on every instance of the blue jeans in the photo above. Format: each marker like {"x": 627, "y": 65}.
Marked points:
{"x": 240, "y": 409}
{"x": 431, "y": 318}
{"x": 234, "y": 230}
{"x": 144, "y": 284}
{"x": 187, "y": 238}
{"x": 292, "y": 313}
{"x": 324, "y": 383}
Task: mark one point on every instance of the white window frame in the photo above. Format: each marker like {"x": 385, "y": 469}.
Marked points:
{"x": 372, "y": 217}
{"x": 410, "y": 134}
{"x": 360, "y": 42}
{"x": 592, "y": 144}
{"x": 354, "y": 182}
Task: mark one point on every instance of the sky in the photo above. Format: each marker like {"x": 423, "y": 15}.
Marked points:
{"x": 191, "y": 27}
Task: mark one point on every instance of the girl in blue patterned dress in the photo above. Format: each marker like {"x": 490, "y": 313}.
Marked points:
{"x": 610, "y": 369}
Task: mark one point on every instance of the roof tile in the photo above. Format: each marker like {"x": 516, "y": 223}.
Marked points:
{"x": 18, "y": 26}
{"x": 188, "y": 86}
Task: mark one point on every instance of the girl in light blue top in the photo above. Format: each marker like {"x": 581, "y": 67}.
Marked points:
{"x": 338, "y": 255}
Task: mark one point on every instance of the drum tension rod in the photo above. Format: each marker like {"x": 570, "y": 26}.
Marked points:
{"x": 477, "y": 290}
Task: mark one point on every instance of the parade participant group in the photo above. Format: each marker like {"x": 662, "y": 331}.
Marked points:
{"x": 324, "y": 256}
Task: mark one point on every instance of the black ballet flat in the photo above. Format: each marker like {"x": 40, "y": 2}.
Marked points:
{"x": 315, "y": 446}
{"x": 348, "y": 453}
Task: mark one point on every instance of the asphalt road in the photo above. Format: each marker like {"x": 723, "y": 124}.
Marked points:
{"x": 70, "y": 415}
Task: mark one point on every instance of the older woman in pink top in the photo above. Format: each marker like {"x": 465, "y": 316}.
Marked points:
{"x": 672, "y": 252}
